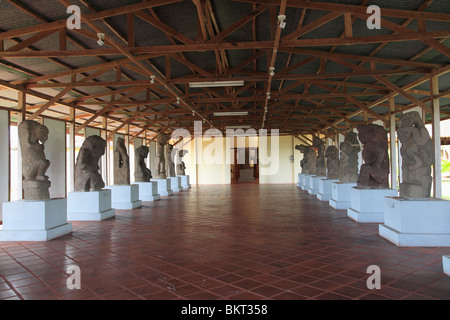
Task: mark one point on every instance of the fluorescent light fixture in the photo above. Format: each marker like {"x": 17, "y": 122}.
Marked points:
{"x": 230, "y": 113}
{"x": 216, "y": 84}
{"x": 238, "y": 127}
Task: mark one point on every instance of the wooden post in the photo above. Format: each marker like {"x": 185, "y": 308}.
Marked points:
{"x": 22, "y": 106}
{"x": 393, "y": 148}
{"x": 436, "y": 126}
{"x": 105, "y": 158}
{"x": 71, "y": 158}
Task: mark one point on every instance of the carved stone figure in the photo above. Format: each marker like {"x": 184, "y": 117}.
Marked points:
{"x": 181, "y": 167}
{"x": 348, "y": 163}
{"x": 161, "y": 141}
{"x": 332, "y": 155}
{"x": 87, "y": 177}
{"x": 170, "y": 169}
{"x": 141, "y": 173}
{"x": 321, "y": 170}
{"x": 374, "y": 173}
{"x": 308, "y": 163}
{"x": 417, "y": 156}
{"x": 32, "y": 137}
{"x": 121, "y": 163}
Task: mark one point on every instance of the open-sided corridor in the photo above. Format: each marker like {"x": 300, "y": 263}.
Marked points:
{"x": 234, "y": 242}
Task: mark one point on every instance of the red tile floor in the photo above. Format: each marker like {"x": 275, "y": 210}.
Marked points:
{"x": 237, "y": 242}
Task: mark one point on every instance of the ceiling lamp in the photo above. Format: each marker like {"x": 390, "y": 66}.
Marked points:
{"x": 230, "y": 113}
{"x": 216, "y": 84}
{"x": 281, "y": 21}
{"x": 238, "y": 127}
{"x": 101, "y": 37}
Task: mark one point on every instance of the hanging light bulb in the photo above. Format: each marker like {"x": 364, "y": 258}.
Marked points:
{"x": 152, "y": 79}
{"x": 281, "y": 21}
{"x": 101, "y": 37}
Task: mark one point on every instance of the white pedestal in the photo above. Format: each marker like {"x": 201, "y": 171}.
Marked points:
{"x": 300, "y": 179}
{"x": 340, "y": 195}
{"x": 314, "y": 184}
{"x": 148, "y": 191}
{"x": 446, "y": 264}
{"x": 367, "y": 205}
{"x": 325, "y": 185}
{"x": 175, "y": 183}
{"x": 305, "y": 185}
{"x": 125, "y": 196}
{"x": 38, "y": 220}
{"x": 164, "y": 187}
{"x": 416, "y": 223}
{"x": 185, "y": 182}
{"x": 89, "y": 206}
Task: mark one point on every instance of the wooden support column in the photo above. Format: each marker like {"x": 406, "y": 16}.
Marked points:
{"x": 21, "y": 105}
{"x": 436, "y": 126}
{"x": 71, "y": 158}
{"x": 393, "y": 147}
{"x": 105, "y": 159}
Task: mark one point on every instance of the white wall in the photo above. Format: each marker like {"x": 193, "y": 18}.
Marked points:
{"x": 280, "y": 169}
{"x": 55, "y": 152}
{"x": 212, "y": 167}
{"x": 4, "y": 158}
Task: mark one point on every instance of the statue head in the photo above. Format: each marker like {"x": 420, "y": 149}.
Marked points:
{"x": 372, "y": 132}
{"x": 35, "y": 132}
{"x": 317, "y": 142}
{"x": 95, "y": 144}
{"x": 142, "y": 151}
{"x": 332, "y": 153}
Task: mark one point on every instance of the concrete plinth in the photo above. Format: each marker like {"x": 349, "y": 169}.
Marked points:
{"x": 325, "y": 185}
{"x": 300, "y": 177}
{"x": 446, "y": 264}
{"x": 305, "y": 185}
{"x": 125, "y": 196}
{"x": 185, "y": 181}
{"x": 175, "y": 183}
{"x": 367, "y": 205}
{"x": 89, "y": 206}
{"x": 148, "y": 191}
{"x": 35, "y": 220}
{"x": 416, "y": 223}
{"x": 164, "y": 187}
{"x": 314, "y": 184}
{"x": 340, "y": 195}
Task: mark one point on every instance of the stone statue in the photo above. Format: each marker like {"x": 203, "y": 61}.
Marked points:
{"x": 32, "y": 137}
{"x": 332, "y": 155}
{"x": 142, "y": 173}
{"x": 321, "y": 170}
{"x": 374, "y": 173}
{"x": 348, "y": 163}
{"x": 161, "y": 141}
{"x": 308, "y": 163}
{"x": 170, "y": 170}
{"x": 121, "y": 163}
{"x": 417, "y": 156}
{"x": 87, "y": 177}
{"x": 181, "y": 167}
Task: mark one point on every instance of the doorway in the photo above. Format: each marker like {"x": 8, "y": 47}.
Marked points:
{"x": 244, "y": 168}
